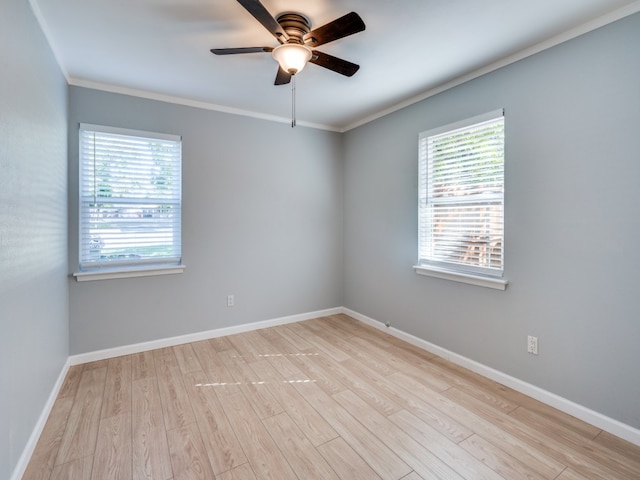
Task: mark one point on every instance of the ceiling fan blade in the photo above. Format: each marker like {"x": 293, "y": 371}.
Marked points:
{"x": 232, "y": 51}
{"x": 260, "y": 13}
{"x": 341, "y": 27}
{"x": 282, "y": 77}
{"x": 336, "y": 64}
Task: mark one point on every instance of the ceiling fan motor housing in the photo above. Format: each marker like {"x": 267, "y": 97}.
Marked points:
{"x": 296, "y": 25}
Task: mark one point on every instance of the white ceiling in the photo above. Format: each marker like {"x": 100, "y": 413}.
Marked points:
{"x": 410, "y": 49}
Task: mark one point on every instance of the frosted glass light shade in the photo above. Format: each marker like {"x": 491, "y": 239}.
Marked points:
{"x": 292, "y": 57}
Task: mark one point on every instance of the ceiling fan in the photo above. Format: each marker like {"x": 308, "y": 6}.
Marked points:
{"x": 298, "y": 41}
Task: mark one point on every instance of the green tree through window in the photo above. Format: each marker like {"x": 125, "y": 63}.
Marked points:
{"x": 461, "y": 209}
{"x": 130, "y": 198}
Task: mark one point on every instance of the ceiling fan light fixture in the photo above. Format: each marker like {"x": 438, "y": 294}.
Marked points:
{"x": 292, "y": 57}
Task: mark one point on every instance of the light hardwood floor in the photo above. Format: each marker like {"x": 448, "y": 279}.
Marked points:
{"x": 328, "y": 398}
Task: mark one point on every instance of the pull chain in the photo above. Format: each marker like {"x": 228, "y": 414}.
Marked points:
{"x": 293, "y": 101}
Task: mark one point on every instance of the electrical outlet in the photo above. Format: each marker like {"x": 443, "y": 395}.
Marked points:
{"x": 231, "y": 301}
{"x": 532, "y": 345}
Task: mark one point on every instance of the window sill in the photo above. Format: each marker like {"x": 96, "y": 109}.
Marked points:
{"x": 479, "y": 280}
{"x": 127, "y": 272}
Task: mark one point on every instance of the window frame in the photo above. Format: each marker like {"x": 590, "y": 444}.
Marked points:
{"x": 434, "y": 266}
{"x": 146, "y": 266}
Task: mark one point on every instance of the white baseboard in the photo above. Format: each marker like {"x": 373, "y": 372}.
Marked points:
{"x": 195, "y": 337}
{"x": 30, "y": 447}
{"x": 592, "y": 417}
{"x": 585, "y": 414}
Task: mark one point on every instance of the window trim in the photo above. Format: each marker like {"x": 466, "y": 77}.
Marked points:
{"x": 479, "y": 280}
{"x": 130, "y": 272}
{"x": 124, "y": 270}
{"x": 463, "y": 274}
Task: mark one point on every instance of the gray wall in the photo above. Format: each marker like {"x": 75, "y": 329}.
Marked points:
{"x": 33, "y": 227}
{"x": 262, "y": 219}
{"x": 572, "y": 223}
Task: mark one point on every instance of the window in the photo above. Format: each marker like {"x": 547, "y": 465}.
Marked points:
{"x": 130, "y": 201}
{"x": 461, "y": 201}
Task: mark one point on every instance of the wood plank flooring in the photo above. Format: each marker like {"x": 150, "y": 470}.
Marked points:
{"x": 328, "y": 398}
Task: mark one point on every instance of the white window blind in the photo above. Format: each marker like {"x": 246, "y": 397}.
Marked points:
{"x": 461, "y": 196}
{"x": 130, "y": 198}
